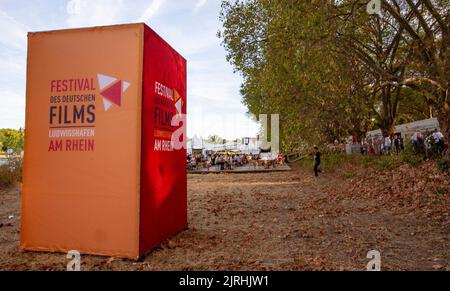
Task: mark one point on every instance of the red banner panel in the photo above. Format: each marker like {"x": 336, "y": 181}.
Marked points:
{"x": 163, "y": 172}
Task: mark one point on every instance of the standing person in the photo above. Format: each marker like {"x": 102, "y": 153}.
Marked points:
{"x": 397, "y": 143}
{"x": 209, "y": 160}
{"x": 439, "y": 141}
{"x": 402, "y": 142}
{"x": 317, "y": 160}
{"x": 413, "y": 142}
{"x": 362, "y": 146}
{"x": 420, "y": 143}
{"x": 387, "y": 145}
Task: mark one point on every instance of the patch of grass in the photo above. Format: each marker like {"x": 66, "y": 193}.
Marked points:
{"x": 444, "y": 165}
{"x": 381, "y": 163}
{"x": 6, "y": 177}
{"x": 349, "y": 175}
{"x": 441, "y": 191}
{"x": 11, "y": 173}
{"x": 410, "y": 157}
{"x": 306, "y": 162}
{"x": 335, "y": 161}
{"x": 348, "y": 165}
{"x": 332, "y": 163}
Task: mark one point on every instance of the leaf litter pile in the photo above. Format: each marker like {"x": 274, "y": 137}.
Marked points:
{"x": 285, "y": 221}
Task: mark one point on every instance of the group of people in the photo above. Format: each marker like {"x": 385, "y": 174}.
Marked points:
{"x": 230, "y": 161}
{"x": 371, "y": 145}
{"x": 421, "y": 144}
{"x": 383, "y": 145}
{"x": 227, "y": 161}
{"x": 395, "y": 144}
{"x": 379, "y": 145}
{"x": 222, "y": 161}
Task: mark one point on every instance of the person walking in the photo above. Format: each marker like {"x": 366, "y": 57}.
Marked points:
{"x": 317, "y": 160}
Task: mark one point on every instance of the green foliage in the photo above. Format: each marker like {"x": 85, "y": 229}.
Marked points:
{"x": 441, "y": 191}
{"x": 407, "y": 156}
{"x": 410, "y": 156}
{"x": 381, "y": 162}
{"x": 444, "y": 165}
{"x": 433, "y": 152}
{"x": 282, "y": 50}
{"x": 6, "y": 179}
{"x": 414, "y": 106}
{"x": 11, "y": 139}
{"x": 331, "y": 70}
{"x": 344, "y": 163}
{"x": 333, "y": 162}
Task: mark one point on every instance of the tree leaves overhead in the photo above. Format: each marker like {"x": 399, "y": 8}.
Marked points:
{"x": 330, "y": 69}
{"x": 11, "y": 139}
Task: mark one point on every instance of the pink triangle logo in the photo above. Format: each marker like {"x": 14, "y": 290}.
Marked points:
{"x": 114, "y": 93}
{"x": 112, "y": 90}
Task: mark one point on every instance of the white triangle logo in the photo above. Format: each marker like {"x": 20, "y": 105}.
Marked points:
{"x": 105, "y": 81}
{"x": 107, "y": 104}
{"x": 125, "y": 86}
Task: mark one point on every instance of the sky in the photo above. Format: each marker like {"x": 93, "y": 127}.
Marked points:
{"x": 190, "y": 26}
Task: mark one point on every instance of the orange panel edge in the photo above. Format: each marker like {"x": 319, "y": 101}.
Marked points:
{"x": 83, "y": 137}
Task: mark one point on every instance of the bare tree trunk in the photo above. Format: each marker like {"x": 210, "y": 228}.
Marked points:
{"x": 443, "y": 116}
{"x": 389, "y": 112}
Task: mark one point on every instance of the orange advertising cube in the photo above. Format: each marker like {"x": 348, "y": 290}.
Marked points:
{"x": 104, "y": 166}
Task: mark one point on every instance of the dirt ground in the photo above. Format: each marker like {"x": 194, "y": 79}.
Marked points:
{"x": 275, "y": 221}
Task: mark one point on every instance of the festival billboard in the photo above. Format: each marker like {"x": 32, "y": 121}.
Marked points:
{"x": 101, "y": 172}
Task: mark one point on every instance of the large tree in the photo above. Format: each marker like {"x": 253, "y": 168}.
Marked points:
{"x": 11, "y": 139}
{"x": 409, "y": 47}
{"x": 283, "y": 51}
{"x": 330, "y": 69}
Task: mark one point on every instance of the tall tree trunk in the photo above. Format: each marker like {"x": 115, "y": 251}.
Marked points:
{"x": 443, "y": 116}
{"x": 388, "y": 112}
